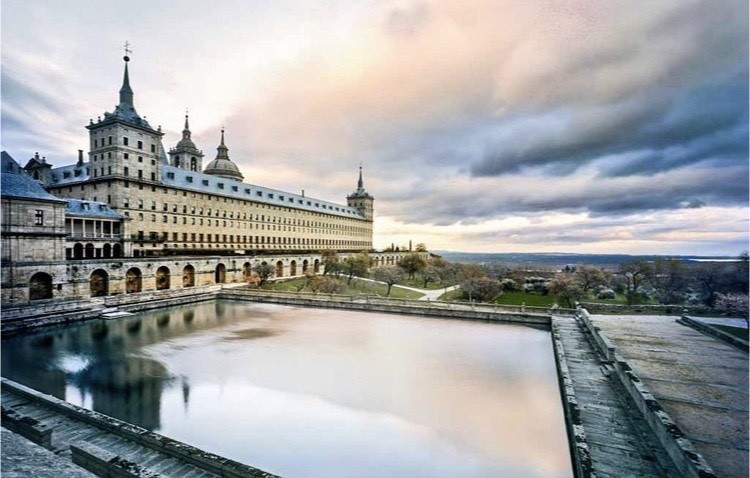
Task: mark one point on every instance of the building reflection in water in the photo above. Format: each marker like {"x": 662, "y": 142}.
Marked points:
{"x": 101, "y": 360}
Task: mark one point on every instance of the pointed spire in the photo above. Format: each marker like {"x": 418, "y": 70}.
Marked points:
{"x": 360, "y": 183}
{"x": 222, "y": 149}
{"x": 126, "y": 93}
{"x": 186, "y": 131}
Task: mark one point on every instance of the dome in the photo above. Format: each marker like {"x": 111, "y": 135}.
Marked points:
{"x": 222, "y": 166}
{"x": 185, "y": 143}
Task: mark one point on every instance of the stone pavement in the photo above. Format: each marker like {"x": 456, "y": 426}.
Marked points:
{"x": 699, "y": 380}
{"x": 619, "y": 440}
{"x": 21, "y": 458}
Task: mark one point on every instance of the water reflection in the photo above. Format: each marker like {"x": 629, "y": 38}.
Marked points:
{"x": 313, "y": 392}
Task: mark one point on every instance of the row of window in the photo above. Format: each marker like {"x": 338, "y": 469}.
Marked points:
{"x": 242, "y": 239}
{"x": 125, "y": 142}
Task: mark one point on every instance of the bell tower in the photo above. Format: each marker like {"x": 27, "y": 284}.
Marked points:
{"x": 185, "y": 154}
{"x": 123, "y": 145}
{"x": 361, "y": 200}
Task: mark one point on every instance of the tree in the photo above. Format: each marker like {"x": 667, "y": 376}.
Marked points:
{"x": 356, "y": 265}
{"x": 509, "y": 285}
{"x": 668, "y": 278}
{"x": 566, "y": 288}
{"x": 330, "y": 259}
{"x": 420, "y": 247}
{"x": 388, "y": 274}
{"x": 486, "y": 289}
{"x": 313, "y": 282}
{"x": 429, "y": 274}
{"x": 264, "y": 271}
{"x": 330, "y": 285}
{"x": 733, "y": 304}
{"x": 412, "y": 263}
{"x": 590, "y": 277}
{"x": 634, "y": 273}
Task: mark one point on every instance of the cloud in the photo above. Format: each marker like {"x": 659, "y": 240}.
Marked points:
{"x": 461, "y": 114}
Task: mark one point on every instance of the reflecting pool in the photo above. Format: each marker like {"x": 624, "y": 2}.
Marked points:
{"x": 315, "y": 392}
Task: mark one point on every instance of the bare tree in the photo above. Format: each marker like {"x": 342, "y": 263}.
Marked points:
{"x": 264, "y": 271}
{"x": 388, "y": 274}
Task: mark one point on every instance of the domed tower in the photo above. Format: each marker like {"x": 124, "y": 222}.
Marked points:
{"x": 361, "y": 200}
{"x": 185, "y": 154}
{"x": 222, "y": 166}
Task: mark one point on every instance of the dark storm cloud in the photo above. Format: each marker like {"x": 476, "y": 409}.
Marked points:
{"x": 647, "y": 132}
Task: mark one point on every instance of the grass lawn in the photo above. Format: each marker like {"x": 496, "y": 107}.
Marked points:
{"x": 419, "y": 284}
{"x": 736, "y": 331}
{"x": 532, "y": 300}
{"x": 356, "y": 287}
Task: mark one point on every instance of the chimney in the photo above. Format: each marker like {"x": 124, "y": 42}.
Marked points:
{"x": 80, "y": 157}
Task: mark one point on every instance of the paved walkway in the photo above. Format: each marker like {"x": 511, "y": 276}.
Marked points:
{"x": 620, "y": 442}
{"x": 699, "y": 380}
{"x": 24, "y": 459}
{"x": 429, "y": 294}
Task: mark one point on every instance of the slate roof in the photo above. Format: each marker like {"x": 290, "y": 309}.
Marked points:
{"x": 208, "y": 184}
{"x": 16, "y": 183}
{"x": 93, "y": 209}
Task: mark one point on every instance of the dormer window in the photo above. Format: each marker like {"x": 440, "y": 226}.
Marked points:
{"x": 189, "y": 179}
{"x": 205, "y": 182}
{"x": 221, "y": 185}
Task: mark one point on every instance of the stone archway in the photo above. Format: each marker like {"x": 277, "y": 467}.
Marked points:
{"x": 220, "y": 274}
{"x": 316, "y": 266}
{"x": 40, "y": 286}
{"x": 162, "y": 278}
{"x": 99, "y": 283}
{"x": 117, "y": 250}
{"x": 188, "y": 276}
{"x": 107, "y": 251}
{"x": 247, "y": 272}
{"x": 78, "y": 251}
{"x": 89, "y": 251}
{"x": 293, "y": 268}
{"x": 305, "y": 266}
{"x": 279, "y": 269}
{"x": 133, "y": 281}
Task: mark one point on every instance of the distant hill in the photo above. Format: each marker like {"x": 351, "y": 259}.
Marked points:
{"x": 559, "y": 260}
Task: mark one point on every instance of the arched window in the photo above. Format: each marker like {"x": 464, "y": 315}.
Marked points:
{"x": 117, "y": 250}
{"x": 293, "y": 268}
{"x": 193, "y": 164}
{"x": 89, "y": 251}
{"x": 220, "y": 274}
{"x": 99, "y": 283}
{"x": 133, "y": 280}
{"x": 247, "y": 271}
{"x": 316, "y": 266}
{"x": 40, "y": 286}
{"x": 188, "y": 276}
{"x": 78, "y": 251}
{"x": 107, "y": 251}
{"x": 305, "y": 266}
{"x": 162, "y": 278}
{"x": 279, "y": 269}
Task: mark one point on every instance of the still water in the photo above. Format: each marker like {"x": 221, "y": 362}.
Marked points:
{"x": 314, "y": 392}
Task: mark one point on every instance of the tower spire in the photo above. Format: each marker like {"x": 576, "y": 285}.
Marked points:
{"x": 222, "y": 149}
{"x": 360, "y": 183}
{"x": 186, "y": 131}
{"x": 126, "y": 93}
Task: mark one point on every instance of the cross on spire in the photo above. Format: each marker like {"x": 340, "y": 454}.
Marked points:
{"x": 127, "y": 48}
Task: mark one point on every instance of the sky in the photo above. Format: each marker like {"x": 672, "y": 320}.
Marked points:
{"x": 481, "y": 126}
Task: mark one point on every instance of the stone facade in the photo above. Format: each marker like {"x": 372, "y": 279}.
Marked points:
{"x": 134, "y": 217}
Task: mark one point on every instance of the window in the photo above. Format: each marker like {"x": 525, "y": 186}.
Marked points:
{"x": 125, "y": 171}
{"x": 140, "y": 174}
{"x": 95, "y": 143}
{"x": 125, "y": 141}
{"x": 170, "y": 175}
{"x": 221, "y": 185}
{"x": 153, "y": 176}
{"x": 39, "y": 217}
{"x": 110, "y": 140}
{"x": 153, "y": 148}
{"x": 140, "y": 159}
{"x": 189, "y": 179}
{"x": 140, "y": 144}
